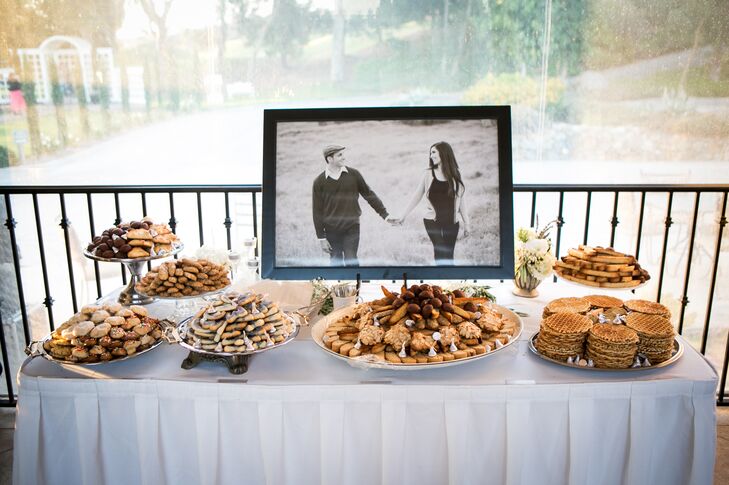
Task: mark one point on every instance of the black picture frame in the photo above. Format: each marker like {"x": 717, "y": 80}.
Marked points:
{"x": 500, "y": 114}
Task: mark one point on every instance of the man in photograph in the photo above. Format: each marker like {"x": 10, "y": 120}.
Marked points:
{"x": 336, "y": 210}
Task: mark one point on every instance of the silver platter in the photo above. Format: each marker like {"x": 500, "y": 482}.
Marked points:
{"x": 182, "y": 333}
{"x": 369, "y": 362}
{"x": 677, "y": 353}
{"x": 175, "y": 250}
{"x": 36, "y": 349}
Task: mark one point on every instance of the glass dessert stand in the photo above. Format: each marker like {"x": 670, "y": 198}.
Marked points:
{"x": 129, "y": 295}
{"x": 186, "y": 305}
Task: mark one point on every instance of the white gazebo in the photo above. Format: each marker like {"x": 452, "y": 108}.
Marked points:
{"x": 68, "y": 53}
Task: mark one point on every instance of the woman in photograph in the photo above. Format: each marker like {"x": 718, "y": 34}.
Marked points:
{"x": 443, "y": 187}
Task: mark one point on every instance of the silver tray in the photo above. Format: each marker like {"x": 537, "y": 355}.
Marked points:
{"x": 36, "y": 349}
{"x": 369, "y": 362}
{"x": 181, "y": 333}
{"x": 677, "y": 353}
{"x": 175, "y": 250}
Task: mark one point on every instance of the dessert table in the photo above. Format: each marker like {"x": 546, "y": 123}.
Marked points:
{"x": 301, "y": 416}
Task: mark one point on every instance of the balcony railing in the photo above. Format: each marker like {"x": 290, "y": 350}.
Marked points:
{"x": 677, "y": 231}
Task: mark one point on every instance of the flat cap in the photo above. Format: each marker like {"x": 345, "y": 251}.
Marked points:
{"x": 330, "y": 150}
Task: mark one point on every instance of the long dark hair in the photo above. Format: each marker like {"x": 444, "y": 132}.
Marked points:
{"x": 450, "y": 167}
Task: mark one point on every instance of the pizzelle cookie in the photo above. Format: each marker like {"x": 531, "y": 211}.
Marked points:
{"x": 566, "y": 305}
{"x": 603, "y": 301}
{"x": 648, "y": 307}
{"x": 562, "y": 335}
{"x": 612, "y": 346}
{"x": 656, "y": 335}
{"x": 622, "y": 335}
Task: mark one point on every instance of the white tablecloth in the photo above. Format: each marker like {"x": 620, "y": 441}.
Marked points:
{"x": 299, "y": 416}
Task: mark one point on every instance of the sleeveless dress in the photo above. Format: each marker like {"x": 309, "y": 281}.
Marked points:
{"x": 443, "y": 230}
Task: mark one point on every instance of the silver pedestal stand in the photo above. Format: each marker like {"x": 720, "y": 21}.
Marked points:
{"x": 129, "y": 295}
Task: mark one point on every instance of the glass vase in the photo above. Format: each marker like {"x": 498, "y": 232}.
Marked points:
{"x": 525, "y": 284}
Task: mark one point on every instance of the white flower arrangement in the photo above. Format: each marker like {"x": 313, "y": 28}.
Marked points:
{"x": 533, "y": 258}
{"x": 214, "y": 255}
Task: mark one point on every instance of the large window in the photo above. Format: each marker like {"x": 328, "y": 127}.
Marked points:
{"x": 132, "y": 91}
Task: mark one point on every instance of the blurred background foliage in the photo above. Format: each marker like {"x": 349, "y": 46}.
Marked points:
{"x": 527, "y": 52}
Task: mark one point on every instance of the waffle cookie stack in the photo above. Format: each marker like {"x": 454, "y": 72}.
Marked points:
{"x": 562, "y": 335}
{"x": 648, "y": 308}
{"x": 612, "y": 346}
{"x": 656, "y": 335}
{"x": 566, "y": 305}
{"x": 608, "y": 306}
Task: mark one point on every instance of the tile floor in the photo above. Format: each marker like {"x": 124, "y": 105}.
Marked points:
{"x": 721, "y": 469}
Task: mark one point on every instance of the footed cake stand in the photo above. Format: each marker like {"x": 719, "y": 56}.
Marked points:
{"x": 129, "y": 295}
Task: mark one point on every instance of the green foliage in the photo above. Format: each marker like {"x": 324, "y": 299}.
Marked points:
{"x": 147, "y": 80}
{"x": 56, "y": 88}
{"x": 4, "y": 157}
{"x": 174, "y": 98}
{"x": 287, "y": 31}
{"x": 104, "y": 95}
{"x": 513, "y": 89}
{"x": 624, "y": 31}
{"x": 514, "y": 35}
{"x": 29, "y": 93}
{"x": 80, "y": 95}
{"x": 197, "y": 80}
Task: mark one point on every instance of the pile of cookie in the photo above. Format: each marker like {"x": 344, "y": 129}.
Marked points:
{"x": 184, "y": 277}
{"x": 601, "y": 267}
{"x": 655, "y": 333}
{"x": 238, "y": 323}
{"x": 132, "y": 240}
{"x": 562, "y": 335}
{"x": 612, "y": 346}
{"x": 421, "y": 324}
{"x": 606, "y": 332}
{"x": 106, "y": 332}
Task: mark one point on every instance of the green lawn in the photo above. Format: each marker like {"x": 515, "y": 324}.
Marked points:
{"x": 700, "y": 83}
{"x": 49, "y": 127}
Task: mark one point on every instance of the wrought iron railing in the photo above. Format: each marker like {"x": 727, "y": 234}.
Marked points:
{"x": 631, "y": 217}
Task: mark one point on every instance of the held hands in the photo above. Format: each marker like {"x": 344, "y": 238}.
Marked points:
{"x": 325, "y": 246}
{"x": 394, "y": 221}
{"x": 466, "y": 231}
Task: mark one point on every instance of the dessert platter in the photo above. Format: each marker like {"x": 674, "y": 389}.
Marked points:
{"x": 184, "y": 278}
{"x": 421, "y": 327}
{"x": 231, "y": 327}
{"x": 604, "y": 333}
{"x": 99, "y": 334}
{"x": 133, "y": 244}
{"x": 600, "y": 267}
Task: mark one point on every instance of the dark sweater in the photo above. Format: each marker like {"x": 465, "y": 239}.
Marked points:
{"x": 336, "y": 202}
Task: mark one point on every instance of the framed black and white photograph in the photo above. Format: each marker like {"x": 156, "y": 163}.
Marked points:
{"x": 386, "y": 191}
